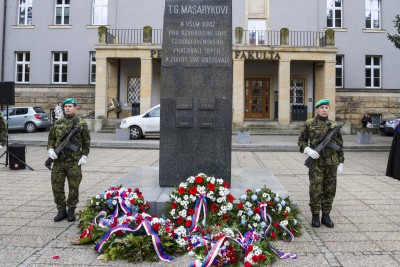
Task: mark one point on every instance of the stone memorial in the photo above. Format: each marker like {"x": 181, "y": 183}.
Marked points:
{"x": 196, "y": 90}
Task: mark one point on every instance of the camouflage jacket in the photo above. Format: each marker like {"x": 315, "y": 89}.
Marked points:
{"x": 313, "y": 132}
{"x": 80, "y": 140}
{"x": 3, "y": 131}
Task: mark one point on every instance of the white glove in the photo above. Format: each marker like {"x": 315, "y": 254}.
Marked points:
{"x": 340, "y": 168}
{"x": 52, "y": 154}
{"x": 83, "y": 160}
{"x": 311, "y": 152}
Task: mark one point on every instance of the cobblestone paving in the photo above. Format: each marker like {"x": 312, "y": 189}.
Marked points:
{"x": 366, "y": 233}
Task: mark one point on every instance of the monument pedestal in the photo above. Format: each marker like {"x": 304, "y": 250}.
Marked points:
{"x": 146, "y": 179}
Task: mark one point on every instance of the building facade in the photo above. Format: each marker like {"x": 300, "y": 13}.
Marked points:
{"x": 286, "y": 56}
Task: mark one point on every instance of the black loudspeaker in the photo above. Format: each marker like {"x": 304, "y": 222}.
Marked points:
{"x": 16, "y": 151}
{"x": 7, "y": 93}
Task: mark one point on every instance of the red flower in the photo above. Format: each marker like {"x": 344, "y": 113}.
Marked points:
{"x": 291, "y": 230}
{"x": 230, "y": 198}
{"x": 211, "y": 187}
{"x": 240, "y": 206}
{"x": 271, "y": 203}
{"x": 190, "y": 212}
{"x": 179, "y": 220}
{"x": 181, "y": 190}
{"x": 143, "y": 208}
{"x": 257, "y": 210}
{"x": 193, "y": 190}
{"x": 250, "y": 248}
{"x": 276, "y": 225}
{"x": 247, "y": 264}
{"x": 108, "y": 195}
{"x": 129, "y": 190}
{"x": 188, "y": 223}
{"x": 248, "y": 191}
{"x": 198, "y": 179}
{"x": 261, "y": 257}
{"x": 286, "y": 214}
{"x": 254, "y": 258}
{"x": 156, "y": 226}
{"x": 174, "y": 205}
{"x": 132, "y": 201}
{"x": 273, "y": 235}
{"x": 117, "y": 193}
{"x": 119, "y": 233}
{"x": 214, "y": 207}
{"x": 225, "y": 184}
{"x": 225, "y": 217}
{"x": 129, "y": 214}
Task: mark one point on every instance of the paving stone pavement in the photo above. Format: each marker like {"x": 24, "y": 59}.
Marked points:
{"x": 366, "y": 233}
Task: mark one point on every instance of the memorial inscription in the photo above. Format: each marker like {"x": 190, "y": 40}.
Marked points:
{"x": 196, "y": 90}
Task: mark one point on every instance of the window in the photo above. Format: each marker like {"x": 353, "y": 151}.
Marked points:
{"x": 372, "y": 14}
{"x": 25, "y": 12}
{"x": 92, "y": 67}
{"x": 334, "y": 14}
{"x": 339, "y": 71}
{"x": 60, "y": 67}
{"x": 100, "y": 10}
{"x": 373, "y": 71}
{"x": 297, "y": 87}
{"x": 62, "y": 12}
{"x": 257, "y": 29}
{"x": 22, "y": 60}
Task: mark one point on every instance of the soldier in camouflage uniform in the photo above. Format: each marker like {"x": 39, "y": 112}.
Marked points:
{"x": 3, "y": 131}
{"x": 68, "y": 164}
{"x": 325, "y": 166}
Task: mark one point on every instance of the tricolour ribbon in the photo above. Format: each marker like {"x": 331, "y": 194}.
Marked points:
{"x": 200, "y": 205}
{"x": 124, "y": 227}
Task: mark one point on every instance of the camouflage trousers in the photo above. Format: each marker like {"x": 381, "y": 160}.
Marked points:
{"x": 322, "y": 188}
{"x": 73, "y": 173}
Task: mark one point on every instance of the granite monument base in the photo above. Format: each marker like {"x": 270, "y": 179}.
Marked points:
{"x": 146, "y": 179}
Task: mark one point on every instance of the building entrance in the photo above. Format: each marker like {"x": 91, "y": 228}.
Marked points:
{"x": 257, "y": 98}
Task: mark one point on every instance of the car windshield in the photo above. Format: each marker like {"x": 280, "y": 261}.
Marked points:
{"x": 38, "y": 110}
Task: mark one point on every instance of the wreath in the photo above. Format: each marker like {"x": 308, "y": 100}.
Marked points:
{"x": 201, "y": 196}
{"x": 268, "y": 214}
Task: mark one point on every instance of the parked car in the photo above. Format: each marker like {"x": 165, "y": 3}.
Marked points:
{"x": 144, "y": 124}
{"x": 29, "y": 119}
{"x": 388, "y": 126}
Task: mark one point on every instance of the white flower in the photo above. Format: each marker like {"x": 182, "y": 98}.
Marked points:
{"x": 257, "y": 217}
{"x": 185, "y": 197}
{"x": 248, "y": 204}
{"x": 127, "y": 202}
{"x": 243, "y": 216}
{"x": 98, "y": 196}
{"x": 201, "y": 189}
{"x": 98, "y": 203}
{"x": 190, "y": 179}
{"x": 178, "y": 200}
{"x": 240, "y": 212}
{"x": 212, "y": 180}
{"x": 114, "y": 202}
{"x": 255, "y": 224}
{"x": 184, "y": 185}
{"x": 287, "y": 209}
{"x": 91, "y": 201}
{"x": 220, "y": 199}
{"x": 191, "y": 253}
{"x": 182, "y": 213}
{"x": 284, "y": 223}
{"x": 173, "y": 212}
{"x": 220, "y": 181}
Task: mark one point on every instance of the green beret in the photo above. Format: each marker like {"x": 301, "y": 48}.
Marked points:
{"x": 322, "y": 102}
{"x": 69, "y": 101}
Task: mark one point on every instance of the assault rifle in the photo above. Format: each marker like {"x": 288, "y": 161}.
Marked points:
{"x": 326, "y": 142}
{"x": 65, "y": 143}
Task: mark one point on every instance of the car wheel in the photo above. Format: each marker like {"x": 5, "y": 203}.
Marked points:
{"x": 135, "y": 132}
{"x": 30, "y": 127}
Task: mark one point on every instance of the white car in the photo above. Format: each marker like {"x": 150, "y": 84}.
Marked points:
{"x": 144, "y": 124}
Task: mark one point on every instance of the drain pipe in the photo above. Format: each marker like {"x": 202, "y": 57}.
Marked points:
{"x": 3, "y": 42}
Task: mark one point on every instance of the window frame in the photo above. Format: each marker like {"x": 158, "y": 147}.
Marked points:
{"x": 63, "y": 7}
{"x": 25, "y": 67}
{"x": 294, "y": 94}
{"x": 330, "y": 6}
{"x": 25, "y": 9}
{"x": 103, "y": 6}
{"x": 341, "y": 67}
{"x": 373, "y": 11}
{"x": 372, "y": 67}
{"x": 61, "y": 63}
{"x": 92, "y": 67}
{"x": 259, "y": 31}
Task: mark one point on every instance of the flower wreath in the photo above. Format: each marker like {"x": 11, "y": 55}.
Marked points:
{"x": 128, "y": 228}
{"x": 204, "y": 196}
{"x": 268, "y": 214}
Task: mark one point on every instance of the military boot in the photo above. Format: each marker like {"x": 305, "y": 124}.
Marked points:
{"x": 61, "y": 215}
{"x": 326, "y": 220}
{"x": 71, "y": 214}
{"x": 315, "y": 221}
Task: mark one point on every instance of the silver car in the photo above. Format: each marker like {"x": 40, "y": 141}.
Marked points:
{"x": 388, "y": 126}
{"x": 29, "y": 119}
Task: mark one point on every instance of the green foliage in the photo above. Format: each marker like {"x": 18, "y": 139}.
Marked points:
{"x": 395, "y": 38}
